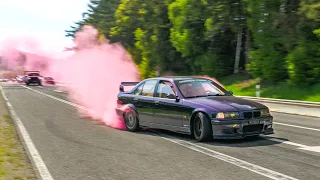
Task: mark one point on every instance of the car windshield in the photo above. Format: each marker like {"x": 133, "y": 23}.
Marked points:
{"x": 33, "y": 74}
{"x": 200, "y": 88}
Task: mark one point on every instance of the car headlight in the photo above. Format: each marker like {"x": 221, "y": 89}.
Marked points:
{"x": 227, "y": 115}
{"x": 265, "y": 112}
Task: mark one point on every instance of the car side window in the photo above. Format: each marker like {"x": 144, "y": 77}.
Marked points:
{"x": 138, "y": 91}
{"x": 148, "y": 88}
{"x": 164, "y": 89}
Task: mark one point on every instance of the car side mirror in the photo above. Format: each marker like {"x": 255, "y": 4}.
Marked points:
{"x": 171, "y": 96}
{"x": 177, "y": 99}
{"x": 231, "y": 92}
{"x": 121, "y": 89}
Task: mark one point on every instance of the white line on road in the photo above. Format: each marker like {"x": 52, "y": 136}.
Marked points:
{"x": 58, "y": 99}
{"x": 232, "y": 160}
{"x": 42, "y": 170}
{"x": 301, "y": 127}
{"x": 311, "y": 148}
{"x": 59, "y": 91}
{"x": 229, "y": 159}
{"x": 284, "y": 141}
{"x": 301, "y": 146}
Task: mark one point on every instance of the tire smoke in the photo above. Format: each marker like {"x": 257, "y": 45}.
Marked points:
{"x": 91, "y": 74}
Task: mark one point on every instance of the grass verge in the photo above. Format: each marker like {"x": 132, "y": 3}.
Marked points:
{"x": 14, "y": 163}
{"x": 242, "y": 85}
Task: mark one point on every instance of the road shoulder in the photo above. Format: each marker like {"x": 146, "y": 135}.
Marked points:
{"x": 14, "y": 163}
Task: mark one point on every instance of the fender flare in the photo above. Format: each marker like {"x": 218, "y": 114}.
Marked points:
{"x": 133, "y": 107}
{"x": 194, "y": 112}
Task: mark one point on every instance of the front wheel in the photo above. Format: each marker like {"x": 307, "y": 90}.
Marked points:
{"x": 131, "y": 121}
{"x": 202, "y": 130}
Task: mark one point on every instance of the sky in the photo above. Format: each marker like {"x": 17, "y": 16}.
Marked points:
{"x": 43, "y": 21}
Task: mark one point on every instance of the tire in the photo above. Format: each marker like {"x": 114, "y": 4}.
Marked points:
{"x": 202, "y": 130}
{"x": 131, "y": 121}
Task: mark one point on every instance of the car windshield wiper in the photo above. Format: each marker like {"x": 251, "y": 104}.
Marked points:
{"x": 215, "y": 95}
{"x": 205, "y": 95}
{"x": 196, "y": 96}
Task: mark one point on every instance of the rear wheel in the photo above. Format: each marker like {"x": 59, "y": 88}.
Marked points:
{"x": 131, "y": 121}
{"x": 202, "y": 130}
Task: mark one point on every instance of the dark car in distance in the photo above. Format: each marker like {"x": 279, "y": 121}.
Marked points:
{"x": 32, "y": 77}
{"x": 191, "y": 105}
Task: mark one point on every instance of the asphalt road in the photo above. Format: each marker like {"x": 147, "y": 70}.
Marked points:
{"x": 79, "y": 148}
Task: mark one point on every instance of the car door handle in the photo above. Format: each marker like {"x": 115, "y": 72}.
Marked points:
{"x": 156, "y": 102}
{"x": 135, "y": 99}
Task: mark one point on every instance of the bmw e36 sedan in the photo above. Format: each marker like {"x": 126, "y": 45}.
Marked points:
{"x": 196, "y": 106}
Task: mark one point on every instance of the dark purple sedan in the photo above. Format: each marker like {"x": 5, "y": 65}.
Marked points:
{"x": 196, "y": 106}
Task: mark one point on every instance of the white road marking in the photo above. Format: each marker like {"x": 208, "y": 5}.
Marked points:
{"x": 229, "y": 159}
{"x": 42, "y": 170}
{"x": 301, "y": 127}
{"x": 232, "y": 160}
{"x": 58, "y": 99}
{"x": 284, "y": 141}
{"x": 301, "y": 146}
{"x": 57, "y": 91}
{"x": 311, "y": 148}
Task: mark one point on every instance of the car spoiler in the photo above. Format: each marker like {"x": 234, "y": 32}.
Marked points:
{"x": 25, "y": 72}
{"x": 123, "y": 84}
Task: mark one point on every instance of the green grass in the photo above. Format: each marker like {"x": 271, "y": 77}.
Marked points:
{"x": 13, "y": 161}
{"x": 242, "y": 85}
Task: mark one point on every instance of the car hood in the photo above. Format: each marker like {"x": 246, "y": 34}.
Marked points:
{"x": 225, "y": 103}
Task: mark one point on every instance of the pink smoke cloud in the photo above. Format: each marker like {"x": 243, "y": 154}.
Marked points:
{"x": 91, "y": 74}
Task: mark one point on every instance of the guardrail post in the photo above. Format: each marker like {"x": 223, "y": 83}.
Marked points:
{"x": 157, "y": 71}
{"x": 257, "y": 90}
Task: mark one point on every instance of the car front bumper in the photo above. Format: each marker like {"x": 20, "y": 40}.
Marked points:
{"x": 33, "y": 80}
{"x": 238, "y": 129}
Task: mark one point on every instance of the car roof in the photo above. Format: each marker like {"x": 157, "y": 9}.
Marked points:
{"x": 174, "y": 78}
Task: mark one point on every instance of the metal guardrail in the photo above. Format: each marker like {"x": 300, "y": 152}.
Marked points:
{"x": 284, "y": 101}
{"x": 275, "y": 101}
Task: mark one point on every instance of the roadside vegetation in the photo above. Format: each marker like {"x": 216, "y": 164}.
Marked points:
{"x": 243, "y": 85}
{"x": 14, "y": 164}
{"x": 274, "y": 41}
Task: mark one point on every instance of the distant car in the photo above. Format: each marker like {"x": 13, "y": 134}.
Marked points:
{"x": 3, "y": 80}
{"x": 32, "y": 77}
{"x": 49, "y": 80}
{"x": 196, "y": 106}
{"x": 20, "y": 79}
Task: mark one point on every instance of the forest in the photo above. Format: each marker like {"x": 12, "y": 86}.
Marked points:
{"x": 274, "y": 40}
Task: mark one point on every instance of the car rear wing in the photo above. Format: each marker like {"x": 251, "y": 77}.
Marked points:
{"x": 123, "y": 84}
{"x": 26, "y": 72}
